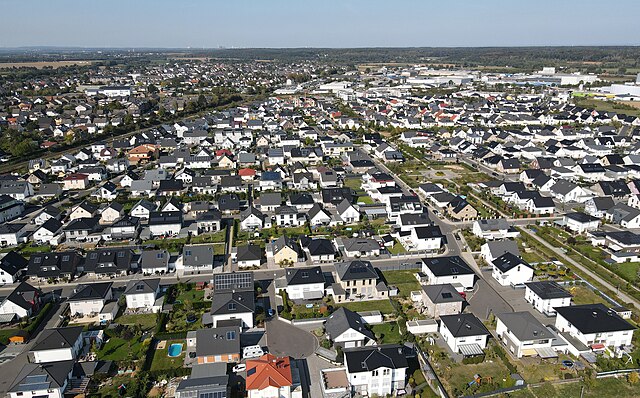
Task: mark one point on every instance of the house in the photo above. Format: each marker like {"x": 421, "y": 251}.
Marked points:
{"x": 428, "y": 238}
{"x": 545, "y": 296}
{"x": 347, "y": 212}
{"x": 346, "y": 329}
{"x": 46, "y": 214}
{"x": 287, "y": 216}
{"x": 523, "y": 334}
{"x": 83, "y": 210}
{"x": 111, "y": 213}
{"x": 75, "y": 181}
{"x": 511, "y": 270}
{"x": 232, "y": 304}
{"x": 438, "y": 300}
{"x": 127, "y": 227}
{"x": 90, "y": 298}
{"x": 49, "y": 380}
{"x": 12, "y": 266}
{"x": 165, "y": 223}
{"x": 318, "y": 250}
{"x": 229, "y": 203}
{"x": 249, "y": 256}
{"x": 285, "y": 250}
{"x": 580, "y": 222}
{"x": 358, "y": 280}
{"x": 460, "y": 209}
{"x": 80, "y": 228}
{"x": 269, "y": 201}
{"x": 195, "y": 259}
{"x": 55, "y": 266}
{"x": 464, "y": 334}
{"x": 10, "y": 208}
{"x": 218, "y": 345}
{"x": 595, "y": 326}
{"x": 566, "y": 191}
{"x": 144, "y": 295}
{"x": 271, "y": 376}
{"x": 378, "y": 370}
{"x": 106, "y": 263}
{"x": 360, "y": 247}
{"x": 491, "y": 229}
{"x": 626, "y": 216}
{"x": 57, "y": 344}
{"x": 23, "y": 301}
{"x": 408, "y": 222}
{"x": 206, "y": 380}
{"x": 155, "y": 262}
{"x": 452, "y": 269}
{"x": 304, "y": 283}
{"x": 142, "y": 209}
{"x": 496, "y": 248}
{"x": 319, "y": 216}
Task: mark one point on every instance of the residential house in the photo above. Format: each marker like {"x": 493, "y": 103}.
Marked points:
{"x": 438, "y": 300}
{"x": 271, "y": 376}
{"x": 23, "y": 301}
{"x": 358, "y": 280}
{"x": 491, "y": 229}
{"x": 57, "y": 344}
{"x": 195, "y": 259}
{"x": 511, "y": 270}
{"x": 523, "y": 334}
{"x": 346, "y": 329}
{"x": 144, "y": 295}
{"x": 451, "y": 269}
{"x": 464, "y": 334}
{"x": 155, "y": 262}
{"x": 545, "y": 296}
{"x": 305, "y": 283}
{"x": 378, "y": 370}
{"x": 595, "y": 326}
{"x": 89, "y": 299}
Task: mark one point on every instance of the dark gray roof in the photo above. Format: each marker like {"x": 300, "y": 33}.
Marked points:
{"x": 444, "y": 293}
{"x": 91, "y": 291}
{"x": 356, "y": 270}
{"x": 509, "y": 261}
{"x": 365, "y": 359}
{"x": 548, "y": 289}
{"x": 42, "y": 376}
{"x": 142, "y": 286}
{"x": 233, "y": 302}
{"x": 342, "y": 320}
{"x": 594, "y": 318}
{"x": 249, "y": 253}
{"x": 52, "y": 339}
{"x": 303, "y": 276}
{"x": 462, "y": 325}
{"x": 524, "y": 326}
{"x": 218, "y": 341}
{"x": 445, "y": 266}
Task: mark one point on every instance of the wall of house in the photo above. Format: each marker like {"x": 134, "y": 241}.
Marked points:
{"x": 247, "y": 318}
{"x": 610, "y": 339}
{"x": 8, "y": 307}
{"x": 513, "y": 276}
{"x": 49, "y": 393}
{"x": 546, "y": 306}
{"x": 436, "y": 310}
{"x": 143, "y": 300}
{"x": 515, "y": 346}
{"x": 296, "y": 292}
{"x": 85, "y": 307}
{"x": 382, "y": 381}
{"x": 226, "y": 358}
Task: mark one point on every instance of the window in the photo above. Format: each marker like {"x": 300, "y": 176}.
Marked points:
{"x": 187, "y": 252}
{"x": 37, "y": 260}
{"x": 232, "y": 306}
{"x": 231, "y": 335}
{"x": 386, "y": 372}
{"x": 65, "y": 258}
{"x": 120, "y": 254}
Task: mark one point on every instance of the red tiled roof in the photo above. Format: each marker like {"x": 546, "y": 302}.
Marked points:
{"x": 269, "y": 371}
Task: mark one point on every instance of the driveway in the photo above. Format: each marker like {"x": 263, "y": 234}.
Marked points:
{"x": 484, "y": 301}
{"x": 284, "y": 339}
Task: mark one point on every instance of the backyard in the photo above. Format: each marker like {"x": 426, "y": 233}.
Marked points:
{"x": 146, "y": 321}
{"x": 405, "y": 281}
{"x": 121, "y": 349}
{"x": 387, "y": 333}
{"x": 161, "y": 358}
{"x": 384, "y": 306}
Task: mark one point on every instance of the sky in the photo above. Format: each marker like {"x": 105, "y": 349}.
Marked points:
{"x": 323, "y": 23}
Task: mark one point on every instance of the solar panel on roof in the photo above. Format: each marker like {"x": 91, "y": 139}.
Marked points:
{"x": 251, "y": 371}
{"x": 240, "y": 280}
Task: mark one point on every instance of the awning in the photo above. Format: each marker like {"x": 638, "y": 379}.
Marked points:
{"x": 470, "y": 350}
{"x": 6, "y": 318}
{"x": 546, "y": 352}
{"x": 597, "y": 346}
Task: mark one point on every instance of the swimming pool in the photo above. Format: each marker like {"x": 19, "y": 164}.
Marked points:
{"x": 174, "y": 350}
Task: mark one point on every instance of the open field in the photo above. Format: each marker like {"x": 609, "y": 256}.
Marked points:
{"x": 42, "y": 64}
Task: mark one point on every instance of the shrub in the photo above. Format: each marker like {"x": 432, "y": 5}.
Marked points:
{"x": 473, "y": 360}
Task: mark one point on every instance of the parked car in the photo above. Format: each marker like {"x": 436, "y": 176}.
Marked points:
{"x": 239, "y": 368}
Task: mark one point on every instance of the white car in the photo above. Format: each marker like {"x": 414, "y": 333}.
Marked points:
{"x": 239, "y": 368}
{"x": 252, "y": 351}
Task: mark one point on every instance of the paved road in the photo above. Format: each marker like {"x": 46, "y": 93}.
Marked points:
{"x": 285, "y": 339}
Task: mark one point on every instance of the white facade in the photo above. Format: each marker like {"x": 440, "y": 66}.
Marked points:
{"x": 517, "y": 347}
{"x": 455, "y": 342}
{"x": 464, "y": 280}
{"x": 86, "y": 307}
{"x": 515, "y": 276}
{"x": 165, "y": 229}
{"x": 247, "y": 318}
{"x": 299, "y": 292}
{"x": 276, "y": 392}
{"x": 8, "y": 307}
{"x": 609, "y": 339}
{"x": 142, "y": 300}
{"x": 545, "y": 306}
{"x": 382, "y": 381}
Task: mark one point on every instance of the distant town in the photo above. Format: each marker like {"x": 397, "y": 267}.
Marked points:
{"x": 194, "y": 227}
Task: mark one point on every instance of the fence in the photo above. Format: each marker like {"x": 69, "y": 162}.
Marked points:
{"x": 431, "y": 376}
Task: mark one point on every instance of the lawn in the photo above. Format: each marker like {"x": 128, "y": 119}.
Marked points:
{"x": 609, "y": 387}
{"x": 111, "y": 388}
{"x": 162, "y": 361}
{"x": 119, "y": 349}
{"x": 218, "y": 237}
{"x": 629, "y": 271}
{"x": 405, "y": 281}
{"x": 353, "y": 183}
{"x": 397, "y": 248}
{"x": 584, "y": 295}
{"x": 389, "y": 333}
{"x": 146, "y": 321}
{"x": 192, "y": 295}
{"x": 456, "y": 378}
{"x": 384, "y": 306}
{"x": 366, "y": 199}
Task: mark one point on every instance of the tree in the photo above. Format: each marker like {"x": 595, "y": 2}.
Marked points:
{"x": 633, "y": 378}
{"x": 152, "y": 89}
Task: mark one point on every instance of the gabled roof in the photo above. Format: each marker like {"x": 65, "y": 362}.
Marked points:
{"x": 42, "y": 376}
{"x": 366, "y": 359}
{"x": 509, "y": 261}
{"x": 343, "y": 320}
{"x": 462, "y": 325}
{"x": 91, "y": 291}
{"x": 447, "y": 266}
{"x": 23, "y": 295}
{"x": 57, "y": 338}
{"x": 356, "y": 270}
{"x": 268, "y": 371}
{"x": 524, "y": 326}
{"x": 142, "y": 286}
{"x": 548, "y": 290}
{"x": 303, "y": 276}
{"x": 249, "y": 253}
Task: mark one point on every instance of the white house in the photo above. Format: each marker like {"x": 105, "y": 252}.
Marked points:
{"x": 89, "y": 298}
{"x": 511, "y": 270}
{"x": 464, "y": 333}
{"x": 347, "y": 329}
{"x": 594, "y": 325}
{"x": 57, "y": 344}
{"x": 143, "y": 295}
{"x": 305, "y": 283}
{"x": 37, "y": 380}
{"x": 494, "y": 229}
{"x": 580, "y": 222}
{"x": 523, "y": 334}
{"x": 545, "y": 296}
{"x": 377, "y": 370}
{"x": 426, "y": 238}
{"x": 452, "y": 269}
